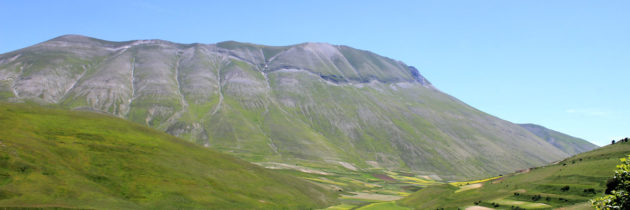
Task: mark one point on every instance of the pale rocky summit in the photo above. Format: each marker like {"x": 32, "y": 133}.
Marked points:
{"x": 310, "y": 103}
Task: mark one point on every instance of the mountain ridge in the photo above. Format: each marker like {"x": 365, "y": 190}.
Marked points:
{"x": 571, "y": 145}
{"x": 310, "y": 103}
{"x": 230, "y": 44}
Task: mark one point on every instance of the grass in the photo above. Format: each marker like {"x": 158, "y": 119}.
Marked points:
{"x": 468, "y": 187}
{"x": 522, "y": 204}
{"x": 567, "y": 183}
{"x": 327, "y": 181}
{"x": 341, "y": 207}
{"x": 391, "y": 205}
{"x": 363, "y": 188}
{"x": 69, "y": 159}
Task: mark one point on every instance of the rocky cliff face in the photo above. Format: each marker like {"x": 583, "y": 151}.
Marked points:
{"x": 313, "y": 102}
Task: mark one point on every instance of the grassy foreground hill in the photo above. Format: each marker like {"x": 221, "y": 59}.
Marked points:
{"x": 73, "y": 159}
{"x": 569, "y": 183}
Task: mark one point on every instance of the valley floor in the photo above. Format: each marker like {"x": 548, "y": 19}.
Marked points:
{"x": 567, "y": 184}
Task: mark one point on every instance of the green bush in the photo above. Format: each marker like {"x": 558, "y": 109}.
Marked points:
{"x": 617, "y": 190}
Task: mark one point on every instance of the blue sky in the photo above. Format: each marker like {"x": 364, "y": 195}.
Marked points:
{"x": 561, "y": 64}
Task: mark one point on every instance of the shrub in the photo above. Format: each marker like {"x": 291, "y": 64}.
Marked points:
{"x": 617, "y": 189}
{"x": 536, "y": 197}
{"x": 589, "y": 190}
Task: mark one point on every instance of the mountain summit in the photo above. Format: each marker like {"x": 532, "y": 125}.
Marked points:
{"x": 312, "y": 104}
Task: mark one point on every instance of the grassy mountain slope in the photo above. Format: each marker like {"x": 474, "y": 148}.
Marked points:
{"x": 307, "y": 103}
{"x": 73, "y": 159}
{"x": 566, "y": 143}
{"x": 570, "y": 182}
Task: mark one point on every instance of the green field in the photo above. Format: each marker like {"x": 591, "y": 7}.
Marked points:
{"x": 363, "y": 189}
{"x": 568, "y": 183}
{"x": 72, "y": 159}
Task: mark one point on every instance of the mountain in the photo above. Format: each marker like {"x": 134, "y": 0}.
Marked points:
{"x": 570, "y": 184}
{"x": 569, "y": 144}
{"x": 313, "y": 104}
{"x": 76, "y": 159}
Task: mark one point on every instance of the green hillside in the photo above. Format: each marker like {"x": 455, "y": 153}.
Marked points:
{"x": 73, "y": 159}
{"x": 569, "y": 183}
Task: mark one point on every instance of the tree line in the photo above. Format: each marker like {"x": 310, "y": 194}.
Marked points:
{"x": 624, "y": 140}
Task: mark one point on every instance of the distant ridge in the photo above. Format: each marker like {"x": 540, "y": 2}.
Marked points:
{"x": 569, "y": 144}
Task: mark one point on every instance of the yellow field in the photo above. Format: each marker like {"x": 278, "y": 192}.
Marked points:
{"x": 409, "y": 179}
{"x": 457, "y": 184}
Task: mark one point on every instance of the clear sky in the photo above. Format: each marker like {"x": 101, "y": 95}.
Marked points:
{"x": 561, "y": 64}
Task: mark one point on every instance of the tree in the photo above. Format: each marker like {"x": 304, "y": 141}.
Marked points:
{"x": 613, "y": 141}
{"x": 617, "y": 189}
